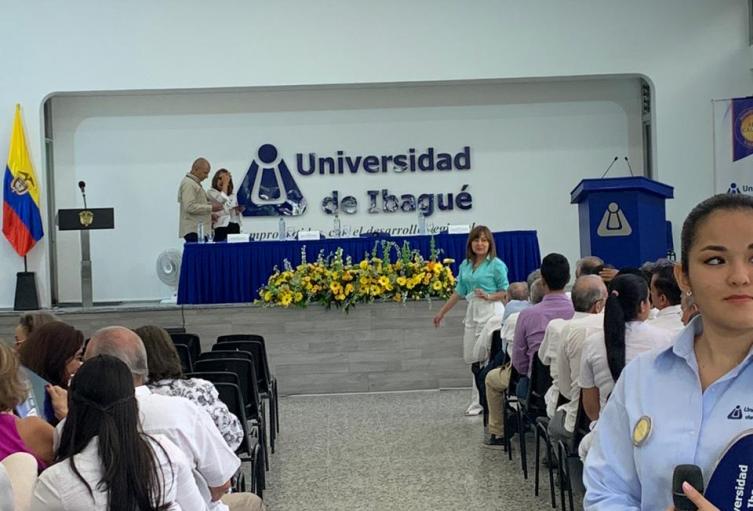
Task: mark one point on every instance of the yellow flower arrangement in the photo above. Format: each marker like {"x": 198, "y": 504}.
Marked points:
{"x": 333, "y": 280}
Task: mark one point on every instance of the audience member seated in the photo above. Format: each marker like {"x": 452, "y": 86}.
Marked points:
{"x": 185, "y": 424}
{"x": 507, "y": 334}
{"x": 518, "y": 293}
{"x": 529, "y": 332}
{"x": 688, "y": 307}
{"x": 30, "y": 322}
{"x": 53, "y": 351}
{"x": 532, "y": 323}
{"x": 666, "y": 297}
{"x": 20, "y": 476}
{"x": 588, "y": 296}
{"x": 568, "y": 366}
{"x": 104, "y": 461}
{"x": 31, "y": 434}
{"x": 166, "y": 378}
{"x": 626, "y": 334}
{"x": 589, "y": 265}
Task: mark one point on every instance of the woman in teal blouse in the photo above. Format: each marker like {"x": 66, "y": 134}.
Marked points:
{"x": 482, "y": 280}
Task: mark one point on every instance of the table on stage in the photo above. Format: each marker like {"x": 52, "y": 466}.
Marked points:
{"x": 234, "y": 272}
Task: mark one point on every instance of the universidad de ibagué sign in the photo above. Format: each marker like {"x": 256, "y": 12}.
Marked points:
{"x": 384, "y": 200}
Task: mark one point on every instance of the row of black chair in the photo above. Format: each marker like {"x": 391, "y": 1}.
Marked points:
{"x": 532, "y": 411}
{"x": 239, "y": 369}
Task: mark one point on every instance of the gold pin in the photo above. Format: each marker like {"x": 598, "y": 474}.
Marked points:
{"x": 642, "y": 431}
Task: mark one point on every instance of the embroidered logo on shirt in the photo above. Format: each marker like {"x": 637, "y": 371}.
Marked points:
{"x": 739, "y": 413}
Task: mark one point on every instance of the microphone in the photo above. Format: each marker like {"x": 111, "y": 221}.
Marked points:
{"x": 610, "y": 166}
{"x": 629, "y": 167}
{"x": 82, "y": 187}
{"x": 692, "y": 475}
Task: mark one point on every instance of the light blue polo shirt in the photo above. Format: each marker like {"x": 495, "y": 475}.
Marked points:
{"x": 688, "y": 426}
{"x": 490, "y": 275}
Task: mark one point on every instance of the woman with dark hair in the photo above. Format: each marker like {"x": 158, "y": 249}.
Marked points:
{"x": 104, "y": 461}
{"x": 228, "y": 219}
{"x": 482, "y": 281}
{"x": 29, "y": 322}
{"x": 31, "y": 434}
{"x": 166, "y": 378}
{"x": 53, "y": 351}
{"x": 625, "y": 336}
{"x": 686, "y": 404}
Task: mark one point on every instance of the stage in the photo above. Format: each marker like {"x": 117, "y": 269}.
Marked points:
{"x": 375, "y": 347}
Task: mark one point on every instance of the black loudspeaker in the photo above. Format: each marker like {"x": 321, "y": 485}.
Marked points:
{"x": 26, "y": 292}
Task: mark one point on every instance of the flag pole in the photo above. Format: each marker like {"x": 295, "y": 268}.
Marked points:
{"x": 26, "y": 266}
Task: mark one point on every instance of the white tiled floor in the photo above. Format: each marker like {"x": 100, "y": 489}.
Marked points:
{"x": 392, "y": 451}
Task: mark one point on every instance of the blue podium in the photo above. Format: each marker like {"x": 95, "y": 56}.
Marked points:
{"x": 623, "y": 219}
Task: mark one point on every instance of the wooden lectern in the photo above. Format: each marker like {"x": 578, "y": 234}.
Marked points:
{"x": 85, "y": 220}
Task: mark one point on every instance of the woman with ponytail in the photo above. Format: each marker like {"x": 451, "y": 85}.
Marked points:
{"x": 104, "y": 461}
{"x": 625, "y": 336}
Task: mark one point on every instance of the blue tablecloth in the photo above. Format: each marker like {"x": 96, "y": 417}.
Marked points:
{"x": 234, "y": 272}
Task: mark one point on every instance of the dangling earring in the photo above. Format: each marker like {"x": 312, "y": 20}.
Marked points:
{"x": 689, "y": 292}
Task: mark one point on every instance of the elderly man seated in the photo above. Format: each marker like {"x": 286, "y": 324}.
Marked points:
{"x": 185, "y": 424}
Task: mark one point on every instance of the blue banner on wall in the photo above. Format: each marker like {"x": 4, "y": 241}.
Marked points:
{"x": 742, "y": 128}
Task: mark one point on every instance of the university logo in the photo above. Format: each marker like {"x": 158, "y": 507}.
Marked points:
{"x": 268, "y": 189}
{"x": 733, "y": 188}
{"x": 736, "y": 414}
{"x": 614, "y": 222}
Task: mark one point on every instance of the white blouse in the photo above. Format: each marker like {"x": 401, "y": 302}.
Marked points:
{"x": 640, "y": 336}
{"x": 205, "y": 395}
{"x": 60, "y": 489}
{"x": 228, "y": 203}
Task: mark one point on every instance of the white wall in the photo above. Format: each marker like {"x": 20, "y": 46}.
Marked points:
{"x": 528, "y": 141}
{"x": 692, "y": 51}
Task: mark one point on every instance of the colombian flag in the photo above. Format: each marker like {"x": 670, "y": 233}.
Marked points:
{"x": 22, "y": 222}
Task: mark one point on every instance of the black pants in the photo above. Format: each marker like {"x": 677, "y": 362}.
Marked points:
{"x": 220, "y": 233}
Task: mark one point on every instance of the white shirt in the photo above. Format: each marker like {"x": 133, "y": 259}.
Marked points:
{"x": 228, "y": 203}
{"x": 669, "y": 318}
{"x": 192, "y": 430}
{"x": 594, "y": 368}
{"x": 508, "y": 331}
{"x": 568, "y": 362}
{"x": 202, "y": 393}
{"x": 59, "y": 488}
{"x": 548, "y": 355}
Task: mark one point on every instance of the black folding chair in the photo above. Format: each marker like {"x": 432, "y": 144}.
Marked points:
{"x": 219, "y": 354}
{"x": 533, "y": 406}
{"x": 250, "y": 450}
{"x": 184, "y": 354}
{"x": 542, "y": 431}
{"x": 510, "y": 406}
{"x": 191, "y": 340}
{"x": 246, "y": 372}
{"x": 258, "y": 338}
{"x": 266, "y": 382}
{"x": 570, "y": 467}
{"x": 240, "y": 337}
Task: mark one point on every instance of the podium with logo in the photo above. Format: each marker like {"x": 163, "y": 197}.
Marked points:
{"x": 623, "y": 219}
{"x": 85, "y": 220}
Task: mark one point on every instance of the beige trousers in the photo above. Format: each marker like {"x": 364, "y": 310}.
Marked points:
{"x": 496, "y": 382}
{"x": 243, "y": 502}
